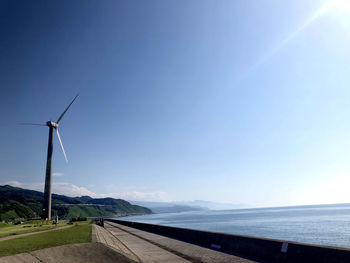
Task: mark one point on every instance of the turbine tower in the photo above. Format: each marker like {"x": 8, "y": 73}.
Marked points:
{"x": 48, "y": 177}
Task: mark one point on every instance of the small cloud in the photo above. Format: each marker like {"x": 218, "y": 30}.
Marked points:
{"x": 31, "y": 186}
{"x": 13, "y": 183}
{"x": 57, "y": 174}
{"x": 70, "y": 189}
{"x": 158, "y": 196}
{"x": 62, "y": 188}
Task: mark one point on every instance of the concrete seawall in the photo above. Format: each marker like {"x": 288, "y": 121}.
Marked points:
{"x": 260, "y": 249}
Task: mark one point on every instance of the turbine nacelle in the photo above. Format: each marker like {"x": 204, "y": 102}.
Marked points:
{"x": 48, "y": 175}
{"x": 52, "y": 124}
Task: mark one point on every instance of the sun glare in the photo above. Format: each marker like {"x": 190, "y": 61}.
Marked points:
{"x": 340, "y": 6}
{"x": 339, "y": 10}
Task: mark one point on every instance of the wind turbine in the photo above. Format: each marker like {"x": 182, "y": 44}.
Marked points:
{"x": 48, "y": 177}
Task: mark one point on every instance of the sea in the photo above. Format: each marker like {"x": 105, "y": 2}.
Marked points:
{"x": 318, "y": 224}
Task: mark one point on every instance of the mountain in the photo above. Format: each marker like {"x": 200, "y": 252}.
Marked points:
{"x": 22, "y": 203}
{"x": 175, "y": 209}
{"x": 182, "y": 206}
{"x": 167, "y": 207}
{"x": 212, "y": 205}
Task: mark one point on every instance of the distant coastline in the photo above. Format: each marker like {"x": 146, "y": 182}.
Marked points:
{"x": 313, "y": 224}
{"x": 19, "y": 204}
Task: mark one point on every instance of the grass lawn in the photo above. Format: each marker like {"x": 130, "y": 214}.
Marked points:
{"x": 32, "y": 226}
{"x": 74, "y": 234}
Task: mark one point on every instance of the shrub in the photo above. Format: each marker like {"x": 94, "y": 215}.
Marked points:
{"x": 79, "y": 218}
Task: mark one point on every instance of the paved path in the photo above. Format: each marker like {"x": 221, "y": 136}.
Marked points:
{"x": 134, "y": 247}
{"x": 76, "y": 253}
{"x": 101, "y": 235}
{"x": 32, "y": 233}
{"x": 117, "y": 243}
{"x": 148, "y": 247}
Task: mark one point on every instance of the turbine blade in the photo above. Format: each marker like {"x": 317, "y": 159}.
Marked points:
{"x": 59, "y": 138}
{"x": 66, "y": 109}
{"x": 36, "y": 124}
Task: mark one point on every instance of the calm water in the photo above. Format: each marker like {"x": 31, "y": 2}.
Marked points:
{"x": 323, "y": 224}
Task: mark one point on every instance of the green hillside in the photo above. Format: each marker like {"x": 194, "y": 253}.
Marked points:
{"x": 22, "y": 203}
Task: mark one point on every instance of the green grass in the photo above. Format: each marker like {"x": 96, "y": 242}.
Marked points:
{"x": 74, "y": 234}
{"x": 35, "y": 222}
{"x": 85, "y": 211}
{"x": 10, "y": 230}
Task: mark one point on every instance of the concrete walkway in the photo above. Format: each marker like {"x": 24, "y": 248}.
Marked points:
{"x": 77, "y": 253}
{"x": 134, "y": 247}
{"x": 117, "y": 243}
{"x": 148, "y": 247}
{"x": 101, "y": 235}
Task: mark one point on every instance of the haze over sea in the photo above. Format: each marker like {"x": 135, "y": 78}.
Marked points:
{"x": 319, "y": 224}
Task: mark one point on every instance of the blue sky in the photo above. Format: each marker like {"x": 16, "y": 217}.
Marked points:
{"x": 243, "y": 102}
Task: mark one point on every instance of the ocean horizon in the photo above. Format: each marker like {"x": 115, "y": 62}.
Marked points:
{"x": 327, "y": 225}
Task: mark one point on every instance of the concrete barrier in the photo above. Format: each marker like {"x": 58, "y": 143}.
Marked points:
{"x": 260, "y": 249}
